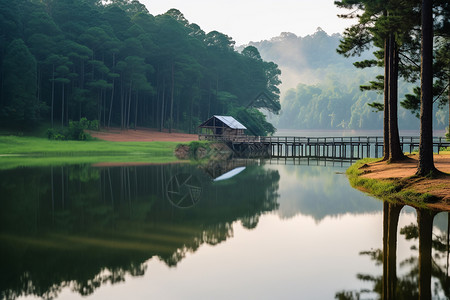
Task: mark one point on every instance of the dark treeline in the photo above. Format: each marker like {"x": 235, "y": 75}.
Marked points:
{"x": 114, "y": 62}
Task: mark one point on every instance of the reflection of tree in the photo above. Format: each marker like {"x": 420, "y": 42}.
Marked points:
{"x": 81, "y": 227}
{"x": 416, "y": 282}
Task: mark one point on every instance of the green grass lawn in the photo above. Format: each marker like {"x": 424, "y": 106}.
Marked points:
{"x": 33, "y": 151}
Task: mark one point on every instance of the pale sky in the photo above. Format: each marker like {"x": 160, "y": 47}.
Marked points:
{"x": 256, "y": 20}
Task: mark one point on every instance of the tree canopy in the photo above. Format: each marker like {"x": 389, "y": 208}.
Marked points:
{"x": 115, "y": 62}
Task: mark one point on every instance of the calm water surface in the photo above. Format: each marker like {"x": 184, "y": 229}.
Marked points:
{"x": 275, "y": 230}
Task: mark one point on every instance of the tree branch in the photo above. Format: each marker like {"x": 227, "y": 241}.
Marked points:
{"x": 443, "y": 90}
{"x": 409, "y": 59}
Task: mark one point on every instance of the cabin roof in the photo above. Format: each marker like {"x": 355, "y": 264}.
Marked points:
{"x": 226, "y": 120}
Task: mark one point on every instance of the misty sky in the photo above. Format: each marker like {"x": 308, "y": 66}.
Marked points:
{"x": 255, "y": 20}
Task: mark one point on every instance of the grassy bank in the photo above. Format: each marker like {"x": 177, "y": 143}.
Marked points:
{"x": 32, "y": 151}
{"x": 41, "y": 146}
{"x": 393, "y": 190}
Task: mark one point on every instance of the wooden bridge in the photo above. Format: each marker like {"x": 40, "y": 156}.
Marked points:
{"x": 317, "y": 147}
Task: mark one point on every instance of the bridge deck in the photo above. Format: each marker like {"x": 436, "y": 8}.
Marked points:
{"x": 330, "y": 147}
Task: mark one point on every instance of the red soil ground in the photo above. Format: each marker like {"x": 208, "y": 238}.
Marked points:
{"x": 142, "y": 135}
{"x": 405, "y": 169}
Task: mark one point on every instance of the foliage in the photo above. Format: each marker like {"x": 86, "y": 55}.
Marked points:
{"x": 76, "y": 130}
{"x": 194, "y": 148}
{"x": 335, "y": 104}
{"x": 114, "y": 62}
{"x": 19, "y": 106}
{"x": 254, "y": 120}
{"x": 329, "y": 84}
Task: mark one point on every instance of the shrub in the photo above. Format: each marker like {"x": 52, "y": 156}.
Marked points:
{"x": 75, "y": 131}
{"x": 94, "y": 125}
{"x": 55, "y": 134}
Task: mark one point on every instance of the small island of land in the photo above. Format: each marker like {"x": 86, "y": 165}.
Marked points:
{"x": 397, "y": 181}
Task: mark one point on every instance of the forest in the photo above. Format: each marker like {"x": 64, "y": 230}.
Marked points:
{"x": 320, "y": 88}
{"x": 115, "y": 64}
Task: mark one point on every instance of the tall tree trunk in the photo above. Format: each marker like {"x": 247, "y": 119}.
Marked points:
{"x": 172, "y": 88}
{"x": 81, "y": 86}
{"x": 385, "y": 285}
{"x": 217, "y": 93}
{"x": 209, "y": 101}
{"x": 62, "y": 105}
{"x": 156, "y": 102}
{"x": 111, "y": 104}
{"x": 53, "y": 93}
{"x": 38, "y": 96}
{"x": 391, "y": 259}
{"x": 103, "y": 108}
{"x": 136, "y": 110}
{"x": 112, "y": 92}
{"x": 162, "y": 105}
{"x": 395, "y": 151}
{"x": 121, "y": 104}
{"x": 386, "y": 101}
{"x": 191, "y": 113}
{"x": 66, "y": 103}
{"x": 122, "y": 96}
{"x": 129, "y": 105}
{"x": 99, "y": 106}
{"x": 425, "y": 224}
{"x": 426, "y": 164}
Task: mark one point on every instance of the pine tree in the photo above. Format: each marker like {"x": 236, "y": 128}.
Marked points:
{"x": 19, "y": 71}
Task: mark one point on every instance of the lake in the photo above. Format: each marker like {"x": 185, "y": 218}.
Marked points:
{"x": 279, "y": 229}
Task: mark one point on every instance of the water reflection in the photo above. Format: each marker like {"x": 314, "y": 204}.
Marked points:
{"x": 427, "y": 274}
{"x": 66, "y": 231}
{"x": 83, "y": 227}
{"x": 319, "y": 192}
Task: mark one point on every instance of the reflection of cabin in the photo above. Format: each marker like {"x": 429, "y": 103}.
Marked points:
{"x": 225, "y": 127}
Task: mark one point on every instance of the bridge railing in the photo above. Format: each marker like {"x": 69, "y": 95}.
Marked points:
{"x": 295, "y": 139}
{"x": 293, "y": 146}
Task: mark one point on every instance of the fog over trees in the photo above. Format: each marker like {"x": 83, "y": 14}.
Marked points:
{"x": 320, "y": 88}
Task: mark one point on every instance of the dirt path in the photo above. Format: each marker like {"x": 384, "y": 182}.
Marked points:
{"x": 439, "y": 186}
{"x": 142, "y": 135}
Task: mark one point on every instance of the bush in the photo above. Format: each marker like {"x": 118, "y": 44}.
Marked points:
{"x": 75, "y": 131}
{"x": 94, "y": 125}
{"x": 194, "y": 147}
{"x": 55, "y": 134}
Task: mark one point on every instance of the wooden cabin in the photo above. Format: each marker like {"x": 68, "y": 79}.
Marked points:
{"x": 223, "y": 127}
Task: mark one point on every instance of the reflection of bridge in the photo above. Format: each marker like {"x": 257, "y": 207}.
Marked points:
{"x": 318, "y": 147}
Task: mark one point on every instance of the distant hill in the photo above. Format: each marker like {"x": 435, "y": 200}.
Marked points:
{"x": 320, "y": 88}
{"x": 306, "y": 59}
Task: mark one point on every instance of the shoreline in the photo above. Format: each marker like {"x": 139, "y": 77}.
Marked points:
{"x": 397, "y": 182}
{"x": 398, "y": 177}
